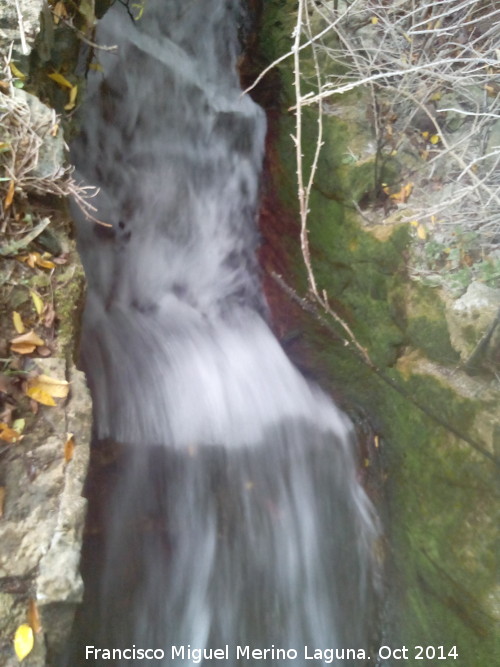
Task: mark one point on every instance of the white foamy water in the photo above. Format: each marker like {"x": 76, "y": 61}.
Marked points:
{"x": 237, "y": 519}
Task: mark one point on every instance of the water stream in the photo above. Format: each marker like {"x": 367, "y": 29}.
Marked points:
{"x": 237, "y": 519}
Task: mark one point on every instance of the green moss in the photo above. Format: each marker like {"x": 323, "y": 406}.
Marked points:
{"x": 427, "y": 328}
{"x": 442, "y": 525}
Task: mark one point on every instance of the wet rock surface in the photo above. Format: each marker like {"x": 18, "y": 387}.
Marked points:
{"x": 42, "y": 523}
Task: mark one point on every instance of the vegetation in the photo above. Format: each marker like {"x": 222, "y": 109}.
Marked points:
{"x": 432, "y": 73}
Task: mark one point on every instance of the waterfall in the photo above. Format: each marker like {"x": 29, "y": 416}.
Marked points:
{"x": 236, "y": 522}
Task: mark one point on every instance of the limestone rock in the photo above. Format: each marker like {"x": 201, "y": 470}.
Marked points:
{"x": 19, "y": 30}
{"x": 474, "y": 322}
{"x": 44, "y": 513}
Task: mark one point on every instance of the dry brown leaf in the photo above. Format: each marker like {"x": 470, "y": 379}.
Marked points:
{"x": 43, "y": 351}
{"x": 22, "y": 348}
{"x": 34, "y": 616}
{"x": 18, "y": 322}
{"x": 26, "y": 343}
{"x": 49, "y": 315}
{"x": 8, "y": 434}
{"x": 69, "y": 447}
{"x": 59, "y": 12}
{"x": 40, "y": 396}
{"x": 2, "y": 500}
{"x": 10, "y": 195}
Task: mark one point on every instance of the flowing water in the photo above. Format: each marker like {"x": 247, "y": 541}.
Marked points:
{"x": 237, "y": 519}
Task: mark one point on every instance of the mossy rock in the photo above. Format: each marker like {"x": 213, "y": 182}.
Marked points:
{"x": 440, "y": 489}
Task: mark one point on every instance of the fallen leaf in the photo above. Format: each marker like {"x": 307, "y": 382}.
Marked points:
{"x": 16, "y": 71}
{"x": 43, "y": 351}
{"x": 54, "y": 130}
{"x": 8, "y": 434}
{"x": 45, "y": 263}
{"x": 37, "y": 302}
{"x": 34, "y": 616}
{"x": 69, "y": 447}
{"x": 421, "y": 232}
{"x": 10, "y": 194}
{"x": 31, "y": 338}
{"x": 59, "y": 12}
{"x": 23, "y": 641}
{"x": 435, "y": 139}
{"x": 49, "y": 315}
{"x": 26, "y": 343}
{"x": 60, "y": 79}
{"x": 374, "y": 20}
{"x": 403, "y": 194}
{"x": 72, "y": 98}
{"x": 34, "y": 259}
{"x": 18, "y": 322}
{"x": 52, "y": 386}
{"x": 22, "y": 348}
{"x": 40, "y": 396}
{"x": 18, "y": 425}
{"x": 2, "y": 500}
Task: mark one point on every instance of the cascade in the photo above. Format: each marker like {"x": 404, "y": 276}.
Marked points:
{"x": 236, "y": 524}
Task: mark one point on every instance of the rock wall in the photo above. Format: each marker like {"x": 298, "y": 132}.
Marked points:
{"x": 43, "y": 464}
{"x": 431, "y": 390}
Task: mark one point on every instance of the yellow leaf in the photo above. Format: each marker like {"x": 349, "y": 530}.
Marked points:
{"x": 10, "y": 194}
{"x": 374, "y": 20}
{"x": 23, "y": 641}
{"x": 18, "y": 322}
{"x": 69, "y": 447}
{"x": 414, "y": 223}
{"x": 421, "y": 232}
{"x": 17, "y": 72}
{"x": 40, "y": 396}
{"x": 31, "y": 337}
{"x": 53, "y": 386}
{"x": 72, "y": 98}
{"x": 37, "y": 302}
{"x": 19, "y": 424}
{"x": 403, "y": 194}
{"x": 43, "y": 262}
{"x": 425, "y": 135}
{"x": 26, "y": 343}
{"x": 34, "y": 259}
{"x": 60, "y": 79}
{"x": 436, "y": 97}
{"x": 435, "y": 139}
{"x": 22, "y": 348}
